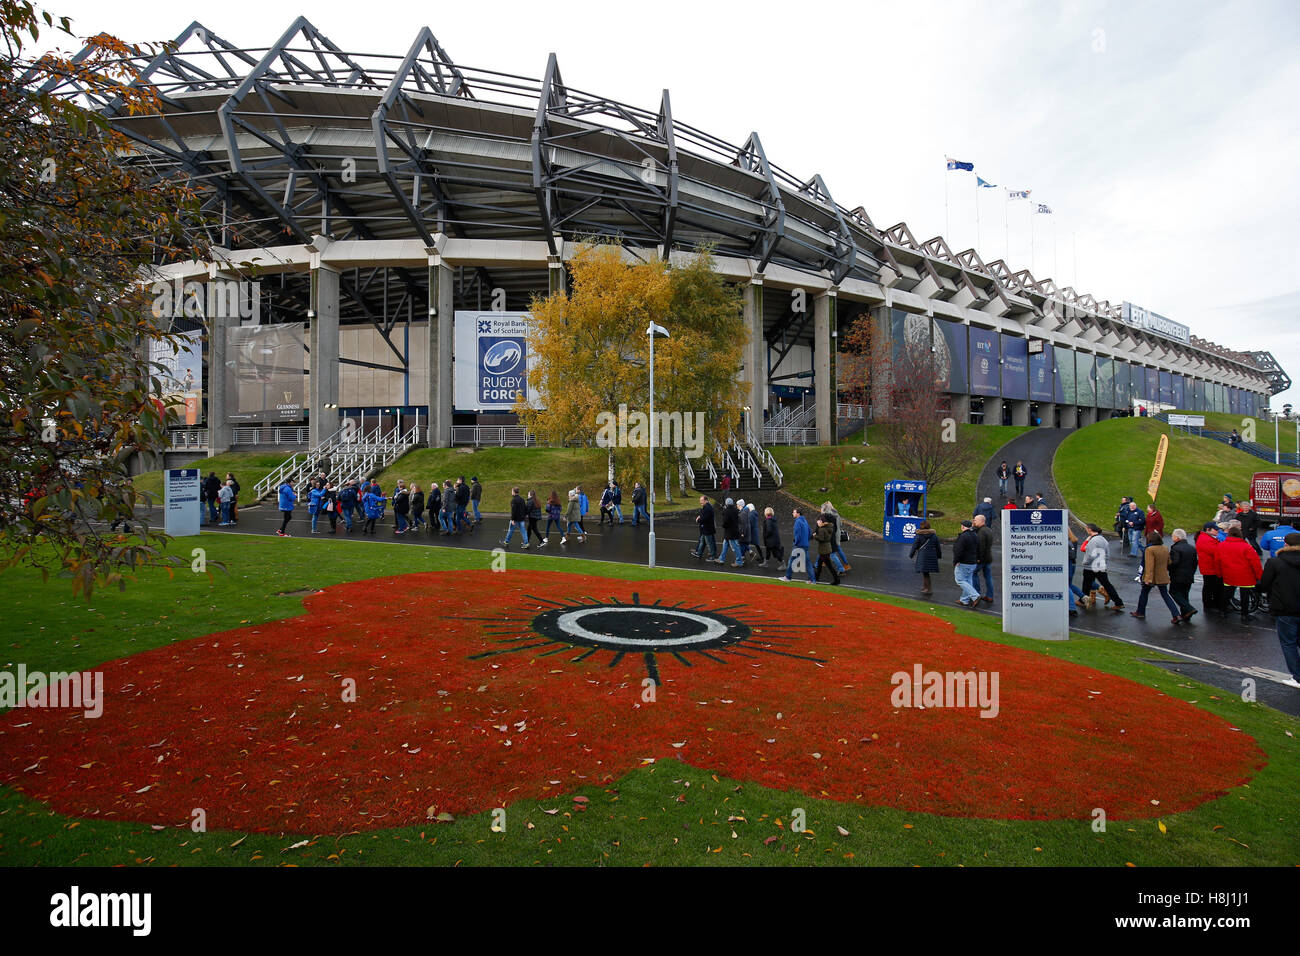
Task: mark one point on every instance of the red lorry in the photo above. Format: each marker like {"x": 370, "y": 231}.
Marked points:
{"x": 1276, "y": 495}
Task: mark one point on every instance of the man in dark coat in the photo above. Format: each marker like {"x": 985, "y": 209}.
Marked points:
{"x": 211, "y": 489}
{"x": 965, "y": 557}
{"x": 518, "y": 517}
{"x": 1182, "y": 572}
{"x": 730, "y": 533}
{"x": 1281, "y": 581}
{"x": 986, "y": 509}
{"x": 704, "y": 520}
{"x": 1249, "y": 524}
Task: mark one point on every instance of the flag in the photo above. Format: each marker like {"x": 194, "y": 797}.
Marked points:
{"x": 958, "y": 164}
{"x": 985, "y": 183}
{"x": 1018, "y": 193}
{"x": 1045, "y": 210}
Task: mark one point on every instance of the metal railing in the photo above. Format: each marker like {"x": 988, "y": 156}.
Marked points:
{"x": 349, "y": 456}
{"x": 805, "y": 416}
{"x": 272, "y": 435}
{"x": 790, "y": 436}
{"x": 767, "y": 460}
{"x": 502, "y": 436}
{"x": 1262, "y": 452}
{"x": 181, "y": 439}
{"x": 851, "y": 412}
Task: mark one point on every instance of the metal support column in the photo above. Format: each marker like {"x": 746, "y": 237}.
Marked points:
{"x": 323, "y": 340}
{"x": 439, "y": 332}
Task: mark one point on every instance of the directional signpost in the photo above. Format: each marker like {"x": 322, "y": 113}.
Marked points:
{"x": 1035, "y": 562}
{"x": 182, "y": 506}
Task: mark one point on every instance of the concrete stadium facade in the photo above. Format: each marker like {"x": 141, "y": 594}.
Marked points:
{"x": 374, "y": 195}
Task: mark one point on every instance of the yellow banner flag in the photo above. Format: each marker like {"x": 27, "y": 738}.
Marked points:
{"x": 1154, "y": 484}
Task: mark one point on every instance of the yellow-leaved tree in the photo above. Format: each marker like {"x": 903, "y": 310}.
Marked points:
{"x": 592, "y": 357}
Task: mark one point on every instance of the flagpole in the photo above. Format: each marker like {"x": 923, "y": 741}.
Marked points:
{"x": 1074, "y": 247}
{"x": 1033, "y": 271}
{"x": 1006, "y": 227}
{"x": 1056, "y": 270}
{"x": 947, "y": 222}
{"x": 977, "y": 212}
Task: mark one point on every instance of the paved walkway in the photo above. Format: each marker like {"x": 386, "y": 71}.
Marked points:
{"x": 1224, "y": 651}
{"x": 1036, "y": 448}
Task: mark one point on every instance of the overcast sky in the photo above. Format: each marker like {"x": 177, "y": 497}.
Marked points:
{"x": 1163, "y": 135}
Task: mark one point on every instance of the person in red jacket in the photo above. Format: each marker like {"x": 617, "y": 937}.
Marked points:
{"x": 1155, "y": 521}
{"x": 1239, "y": 567}
{"x": 1207, "y": 560}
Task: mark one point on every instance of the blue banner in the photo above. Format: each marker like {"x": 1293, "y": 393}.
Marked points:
{"x": 1152, "y": 393}
{"x": 1015, "y": 367}
{"x": 1180, "y": 392}
{"x": 984, "y": 354}
{"x": 1166, "y": 394}
{"x": 1042, "y": 384}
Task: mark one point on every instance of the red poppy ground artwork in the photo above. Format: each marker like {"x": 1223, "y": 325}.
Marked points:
{"x": 477, "y": 689}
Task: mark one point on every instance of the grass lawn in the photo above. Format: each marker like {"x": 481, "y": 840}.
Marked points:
{"x": 860, "y": 497}
{"x": 248, "y": 467}
{"x": 1225, "y": 422}
{"x": 542, "y": 469}
{"x": 667, "y": 813}
{"x": 1099, "y": 464}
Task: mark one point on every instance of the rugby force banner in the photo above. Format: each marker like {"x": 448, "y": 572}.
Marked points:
{"x": 492, "y": 361}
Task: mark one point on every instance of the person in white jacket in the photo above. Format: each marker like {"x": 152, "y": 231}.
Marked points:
{"x": 1094, "y": 551}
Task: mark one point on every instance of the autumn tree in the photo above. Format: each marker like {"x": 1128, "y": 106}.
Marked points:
{"x": 591, "y": 355}
{"x": 79, "y": 229}
{"x": 915, "y": 430}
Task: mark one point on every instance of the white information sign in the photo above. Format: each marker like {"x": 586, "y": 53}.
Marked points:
{"x": 182, "y": 508}
{"x": 1035, "y": 565}
{"x": 1190, "y": 421}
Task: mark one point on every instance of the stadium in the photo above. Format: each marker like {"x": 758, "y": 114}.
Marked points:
{"x": 379, "y": 199}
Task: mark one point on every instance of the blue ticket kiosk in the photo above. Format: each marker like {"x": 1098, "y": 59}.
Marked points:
{"x": 905, "y": 509}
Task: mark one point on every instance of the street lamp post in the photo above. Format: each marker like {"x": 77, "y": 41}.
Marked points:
{"x": 652, "y": 331}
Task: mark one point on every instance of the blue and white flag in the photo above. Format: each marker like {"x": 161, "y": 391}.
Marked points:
{"x": 985, "y": 183}
{"x": 1018, "y": 193}
{"x": 958, "y": 164}
{"x": 1045, "y": 210}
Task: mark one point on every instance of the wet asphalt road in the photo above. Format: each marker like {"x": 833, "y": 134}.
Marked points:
{"x": 1217, "y": 650}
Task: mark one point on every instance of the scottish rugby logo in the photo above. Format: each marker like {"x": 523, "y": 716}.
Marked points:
{"x": 502, "y": 358}
{"x": 1036, "y": 517}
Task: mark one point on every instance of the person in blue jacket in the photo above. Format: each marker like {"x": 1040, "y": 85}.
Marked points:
{"x": 349, "y": 498}
{"x": 583, "y": 506}
{"x": 1273, "y": 542}
{"x": 618, "y": 501}
{"x": 287, "y": 500}
{"x": 372, "y": 503}
{"x": 314, "y": 496}
{"x": 799, "y": 548}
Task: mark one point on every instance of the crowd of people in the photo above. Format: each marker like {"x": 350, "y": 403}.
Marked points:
{"x": 756, "y": 540}
{"x": 452, "y": 508}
